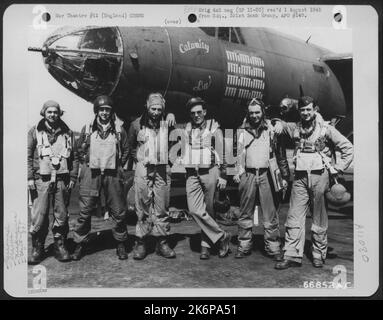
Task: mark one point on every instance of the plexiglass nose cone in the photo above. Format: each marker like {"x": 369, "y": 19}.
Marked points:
{"x": 87, "y": 61}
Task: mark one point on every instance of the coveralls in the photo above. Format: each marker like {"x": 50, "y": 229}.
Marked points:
{"x": 256, "y": 147}
{"x": 43, "y": 143}
{"x": 148, "y": 147}
{"x": 102, "y": 152}
{"x": 314, "y": 148}
{"x": 204, "y": 166}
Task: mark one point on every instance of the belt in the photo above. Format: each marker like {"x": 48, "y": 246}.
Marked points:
{"x": 304, "y": 173}
{"x": 150, "y": 165}
{"x": 254, "y": 170}
{"x": 197, "y": 171}
{"x": 87, "y": 165}
{"x": 59, "y": 176}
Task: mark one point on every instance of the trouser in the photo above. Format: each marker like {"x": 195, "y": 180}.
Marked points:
{"x": 200, "y": 189}
{"x": 152, "y": 194}
{"x": 296, "y": 216}
{"x": 40, "y": 209}
{"x": 91, "y": 183}
{"x": 253, "y": 190}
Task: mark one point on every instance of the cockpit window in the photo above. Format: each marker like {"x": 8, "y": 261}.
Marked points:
{"x": 224, "y": 34}
{"x": 209, "y": 31}
{"x": 239, "y": 35}
{"x": 87, "y": 62}
{"x": 100, "y": 39}
{"x": 233, "y": 35}
{"x": 70, "y": 41}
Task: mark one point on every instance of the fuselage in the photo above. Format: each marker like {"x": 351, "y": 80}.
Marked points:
{"x": 225, "y": 66}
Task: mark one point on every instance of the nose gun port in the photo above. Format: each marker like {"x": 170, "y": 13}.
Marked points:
{"x": 86, "y": 61}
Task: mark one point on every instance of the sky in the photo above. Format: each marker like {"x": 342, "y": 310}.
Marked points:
{"x": 78, "y": 112}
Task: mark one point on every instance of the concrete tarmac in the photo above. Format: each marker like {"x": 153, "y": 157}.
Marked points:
{"x": 100, "y": 268}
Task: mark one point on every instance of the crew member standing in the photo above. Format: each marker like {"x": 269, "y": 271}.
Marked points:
{"x": 316, "y": 142}
{"x": 148, "y": 146}
{"x": 204, "y": 161}
{"x": 51, "y": 175}
{"x": 102, "y": 152}
{"x": 257, "y": 145}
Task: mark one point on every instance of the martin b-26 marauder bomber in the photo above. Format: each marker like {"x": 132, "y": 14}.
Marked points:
{"x": 225, "y": 66}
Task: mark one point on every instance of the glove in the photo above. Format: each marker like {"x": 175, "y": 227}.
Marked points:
{"x": 171, "y": 120}
{"x": 237, "y": 178}
{"x": 31, "y": 185}
{"x": 71, "y": 184}
{"x": 221, "y": 184}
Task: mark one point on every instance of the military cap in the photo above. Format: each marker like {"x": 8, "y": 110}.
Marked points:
{"x": 102, "y": 101}
{"x": 155, "y": 99}
{"x": 51, "y": 104}
{"x": 306, "y": 100}
{"x": 195, "y": 101}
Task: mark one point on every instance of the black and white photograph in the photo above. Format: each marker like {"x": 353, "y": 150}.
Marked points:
{"x": 191, "y": 151}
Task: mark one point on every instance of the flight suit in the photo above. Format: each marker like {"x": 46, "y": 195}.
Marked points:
{"x": 102, "y": 153}
{"x": 256, "y": 147}
{"x": 313, "y": 155}
{"x": 152, "y": 178}
{"x": 51, "y": 182}
{"x": 204, "y": 166}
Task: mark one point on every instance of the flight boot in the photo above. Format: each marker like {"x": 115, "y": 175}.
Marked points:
{"x": 121, "y": 250}
{"x": 317, "y": 263}
{"x": 277, "y": 256}
{"x": 163, "y": 249}
{"x": 205, "y": 254}
{"x": 79, "y": 251}
{"x": 139, "y": 249}
{"x": 285, "y": 264}
{"x": 37, "y": 254}
{"x": 224, "y": 245}
{"x": 241, "y": 253}
{"x": 60, "y": 251}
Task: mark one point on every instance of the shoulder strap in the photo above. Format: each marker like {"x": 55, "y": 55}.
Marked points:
{"x": 271, "y": 129}
{"x": 324, "y": 128}
{"x": 39, "y": 137}
{"x": 44, "y": 138}
{"x": 118, "y": 123}
{"x": 188, "y": 127}
{"x": 271, "y": 138}
{"x": 69, "y": 139}
{"x": 297, "y": 131}
{"x": 88, "y": 129}
{"x": 251, "y": 141}
{"x": 209, "y": 124}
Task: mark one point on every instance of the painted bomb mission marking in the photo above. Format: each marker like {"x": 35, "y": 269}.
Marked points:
{"x": 245, "y": 76}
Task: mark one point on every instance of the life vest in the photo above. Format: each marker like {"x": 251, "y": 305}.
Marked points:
{"x": 103, "y": 152}
{"x": 198, "y": 149}
{"x": 153, "y": 144}
{"x": 258, "y": 151}
{"x": 309, "y": 151}
{"x": 53, "y": 158}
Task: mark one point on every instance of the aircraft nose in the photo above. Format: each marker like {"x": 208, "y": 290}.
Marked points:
{"x": 86, "y": 61}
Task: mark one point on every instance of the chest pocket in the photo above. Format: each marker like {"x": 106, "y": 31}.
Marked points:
{"x": 53, "y": 157}
{"x": 103, "y": 152}
{"x": 307, "y": 156}
{"x": 258, "y": 150}
{"x": 308, "y": 161}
